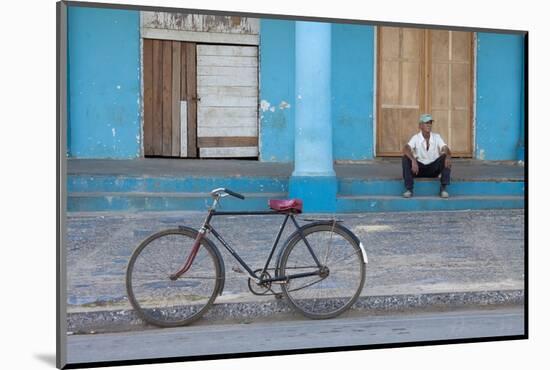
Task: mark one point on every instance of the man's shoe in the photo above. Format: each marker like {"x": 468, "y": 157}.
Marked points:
{"x": 443, "y": 193}
{"x": 408, "y": 194}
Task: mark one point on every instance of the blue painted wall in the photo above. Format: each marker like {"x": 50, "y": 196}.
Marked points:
{"x": 104, "y": 83}
{"x": 104, "y": 89}
{"x": 277, "y": 100}
{"x": 352, "y": 91}
{"x": 499, "y": 96}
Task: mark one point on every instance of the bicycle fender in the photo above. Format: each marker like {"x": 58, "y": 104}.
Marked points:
{"x": 221, "y": 263}
{"x": 361, "y": 246}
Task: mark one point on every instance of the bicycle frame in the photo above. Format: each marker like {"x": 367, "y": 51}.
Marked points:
{"x": 207, "y": 227}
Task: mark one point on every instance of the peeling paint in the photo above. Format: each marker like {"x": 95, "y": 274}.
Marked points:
{"x": 114, "y": 131}
{"x": 264, "y": 105}
{"x": 482, "y": 154}
{"x": 272, "y": 109}
{"x": 200, "y": 23}
{"x": 284, "y": 105}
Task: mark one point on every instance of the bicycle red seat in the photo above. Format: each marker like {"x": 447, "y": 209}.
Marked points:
{"x": 286, "y": 205}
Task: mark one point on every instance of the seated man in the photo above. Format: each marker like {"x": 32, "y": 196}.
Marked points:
{"x": 426, "y": 155}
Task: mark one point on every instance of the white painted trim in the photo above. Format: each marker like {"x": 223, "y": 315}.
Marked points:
{"x": 374, "y": 92}
{"x": 474, "y": 99}
{"x": 258, "y": 113}
{"x": 183, "y": 128}
{"x": 206, "y": 37}
{"x": 142, "y": 92}
{"x": 244, "y": 151}
{"x": 450, "y": 91}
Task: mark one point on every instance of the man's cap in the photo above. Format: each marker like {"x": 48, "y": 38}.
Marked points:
{"x": 424, "y": 118}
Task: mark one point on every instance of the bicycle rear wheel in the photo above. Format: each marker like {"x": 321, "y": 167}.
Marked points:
{"x": 161, "y": 301}
{"x": 340, "y": 279}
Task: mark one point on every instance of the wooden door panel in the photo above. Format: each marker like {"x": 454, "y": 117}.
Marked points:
{"x": 460, "y": 133}
{"x": 411, "y": 79}
{"x": 460, "y": 96}
{"x": 148, "y": 96}
{"x": 390, "y": 80}
{"x": 412, "y": 40}
{"x": 441, "y": 124}
{"x": 169, "y": 98}
{"x": 388, "y": 132}
{"x": 190, "y": 51}
{"x": 176, "y": 98}
{"x": 227, "y": 84}
{"x": 424, "y": 71}
{"x": 401, "y": 86}
{"x": 440, "y": 86}
{"x": 390, "y": 39}
{"x": 157, "y": 99}
{"x": 451, "y": 88}
{"x": 461, "y": 46}
{"x": 439, "y": 45}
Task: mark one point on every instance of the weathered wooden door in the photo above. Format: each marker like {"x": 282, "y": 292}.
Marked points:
{"x": 450, "y": 83}
{"x": 400, "y": 86}
{"x": 227, "y": 84}
{"x": 170, "y": 98}
{"x": 419, "y": 71}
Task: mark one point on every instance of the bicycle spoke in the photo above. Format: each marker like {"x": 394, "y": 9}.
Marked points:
{"x": 330, "y": 241}
{"x": 165, "y": 302}
{"x": 338, "y": 262}
{"x": 331, "y": 294}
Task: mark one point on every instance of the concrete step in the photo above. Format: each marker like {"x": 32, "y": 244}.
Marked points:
{"x": 176, "y": 184}
{"x": 425, "y": 203}
{"x": 93, "y": 193}
{"x": 346, "y": 186}
{"x": 157, "y": 201}
{"x": 428, "y": 187}
{"x": 96, "y": 202}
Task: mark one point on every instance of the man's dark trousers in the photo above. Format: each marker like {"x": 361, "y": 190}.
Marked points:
{"x": 426, "y": 170}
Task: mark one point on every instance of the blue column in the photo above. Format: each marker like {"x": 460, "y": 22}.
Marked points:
{"x": 313, "y": 179}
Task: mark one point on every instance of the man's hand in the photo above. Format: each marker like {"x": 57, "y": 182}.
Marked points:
{"x": 414, "y": 167}
{"x": 445, "y": 150}
{"x": 447, "y": 162}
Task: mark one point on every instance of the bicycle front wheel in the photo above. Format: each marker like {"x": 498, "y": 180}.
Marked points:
{"x": 161, "y": 301}
{"x": 340, "y": 278}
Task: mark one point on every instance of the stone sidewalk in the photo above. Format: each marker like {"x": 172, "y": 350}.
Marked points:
{"x": 416, "y": 260}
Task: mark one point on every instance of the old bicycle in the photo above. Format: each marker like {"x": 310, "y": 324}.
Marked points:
{"x": 175, "y": 275}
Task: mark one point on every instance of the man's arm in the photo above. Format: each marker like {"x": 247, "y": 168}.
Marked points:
{"x": 408, "y": 152}
{"x": 446, "y": 150}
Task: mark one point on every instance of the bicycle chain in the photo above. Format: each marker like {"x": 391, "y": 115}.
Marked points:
{"x": 278, "y": 294}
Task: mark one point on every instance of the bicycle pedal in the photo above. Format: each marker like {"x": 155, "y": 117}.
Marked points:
{"x": 237, "y": 270}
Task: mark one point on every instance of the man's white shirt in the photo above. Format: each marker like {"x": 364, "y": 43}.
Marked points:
{"x": 419, "y": 147}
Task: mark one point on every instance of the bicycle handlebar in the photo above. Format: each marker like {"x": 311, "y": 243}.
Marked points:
{"x": 217, "y": 193}
{"x": 236, "y": 195}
